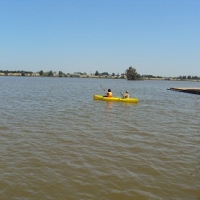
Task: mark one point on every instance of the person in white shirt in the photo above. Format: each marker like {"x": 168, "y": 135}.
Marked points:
{"x": 126, "y": 95}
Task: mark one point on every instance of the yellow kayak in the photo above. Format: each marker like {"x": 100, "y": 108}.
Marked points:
{"x": 119, "y": 99}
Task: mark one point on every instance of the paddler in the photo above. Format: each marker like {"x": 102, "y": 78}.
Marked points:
{"x": 126, "y": 95}
{"x": 108, "y": 93}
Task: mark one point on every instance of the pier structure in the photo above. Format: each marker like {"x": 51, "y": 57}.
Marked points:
{"x": 186, "y": 90}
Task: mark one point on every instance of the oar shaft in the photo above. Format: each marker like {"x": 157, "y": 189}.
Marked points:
{"x": 102, "y": 88}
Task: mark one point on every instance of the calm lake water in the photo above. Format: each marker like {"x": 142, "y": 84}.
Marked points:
{"x": 56, "y": 142}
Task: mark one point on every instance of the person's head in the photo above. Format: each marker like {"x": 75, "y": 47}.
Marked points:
{"x": 126, "y": 91}
{"x": 109, "y": 90}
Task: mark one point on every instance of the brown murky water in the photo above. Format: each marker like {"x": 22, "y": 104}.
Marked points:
{"x": 57, "y": 143}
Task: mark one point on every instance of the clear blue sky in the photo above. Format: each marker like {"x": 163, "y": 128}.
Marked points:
{"x": 157, "y": 37}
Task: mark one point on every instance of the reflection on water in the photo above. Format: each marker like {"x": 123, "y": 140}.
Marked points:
{"x": 109, "y": 104}
{"x": 56, "y": 142}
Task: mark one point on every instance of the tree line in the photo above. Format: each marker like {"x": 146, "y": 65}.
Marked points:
{"x": 130, "y": 74}
{"x": 23, "y": 73}
{"x": 188, "y": 77}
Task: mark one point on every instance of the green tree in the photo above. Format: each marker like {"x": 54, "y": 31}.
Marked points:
{"x": 96, "y": 73}
{"x": 60, "y": 73}
{"x": 105, "y": 74}
{"x": 50, "y": 73}
{"x": 22, "y": 73}
{"x": 41, "y": 72}
{"x": 131, "y": 74}
{"x": 6, "y": 73}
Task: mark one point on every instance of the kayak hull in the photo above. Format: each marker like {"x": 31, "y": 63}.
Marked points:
{"x": 117, "y": 99}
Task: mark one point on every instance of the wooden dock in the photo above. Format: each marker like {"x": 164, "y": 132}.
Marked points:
{"x": 187, "y": 90}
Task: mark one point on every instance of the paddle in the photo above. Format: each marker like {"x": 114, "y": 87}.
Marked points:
{"x": 122, "y": 94}
{"x": 102, "y": 88}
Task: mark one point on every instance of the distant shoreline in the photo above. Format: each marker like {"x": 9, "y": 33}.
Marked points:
{"x": 93, "y": 76}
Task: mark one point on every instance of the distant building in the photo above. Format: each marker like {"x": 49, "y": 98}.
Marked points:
{"x": 36, "y": 74}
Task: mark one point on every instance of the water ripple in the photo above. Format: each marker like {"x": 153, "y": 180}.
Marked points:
{"x": 57, "y": 143}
